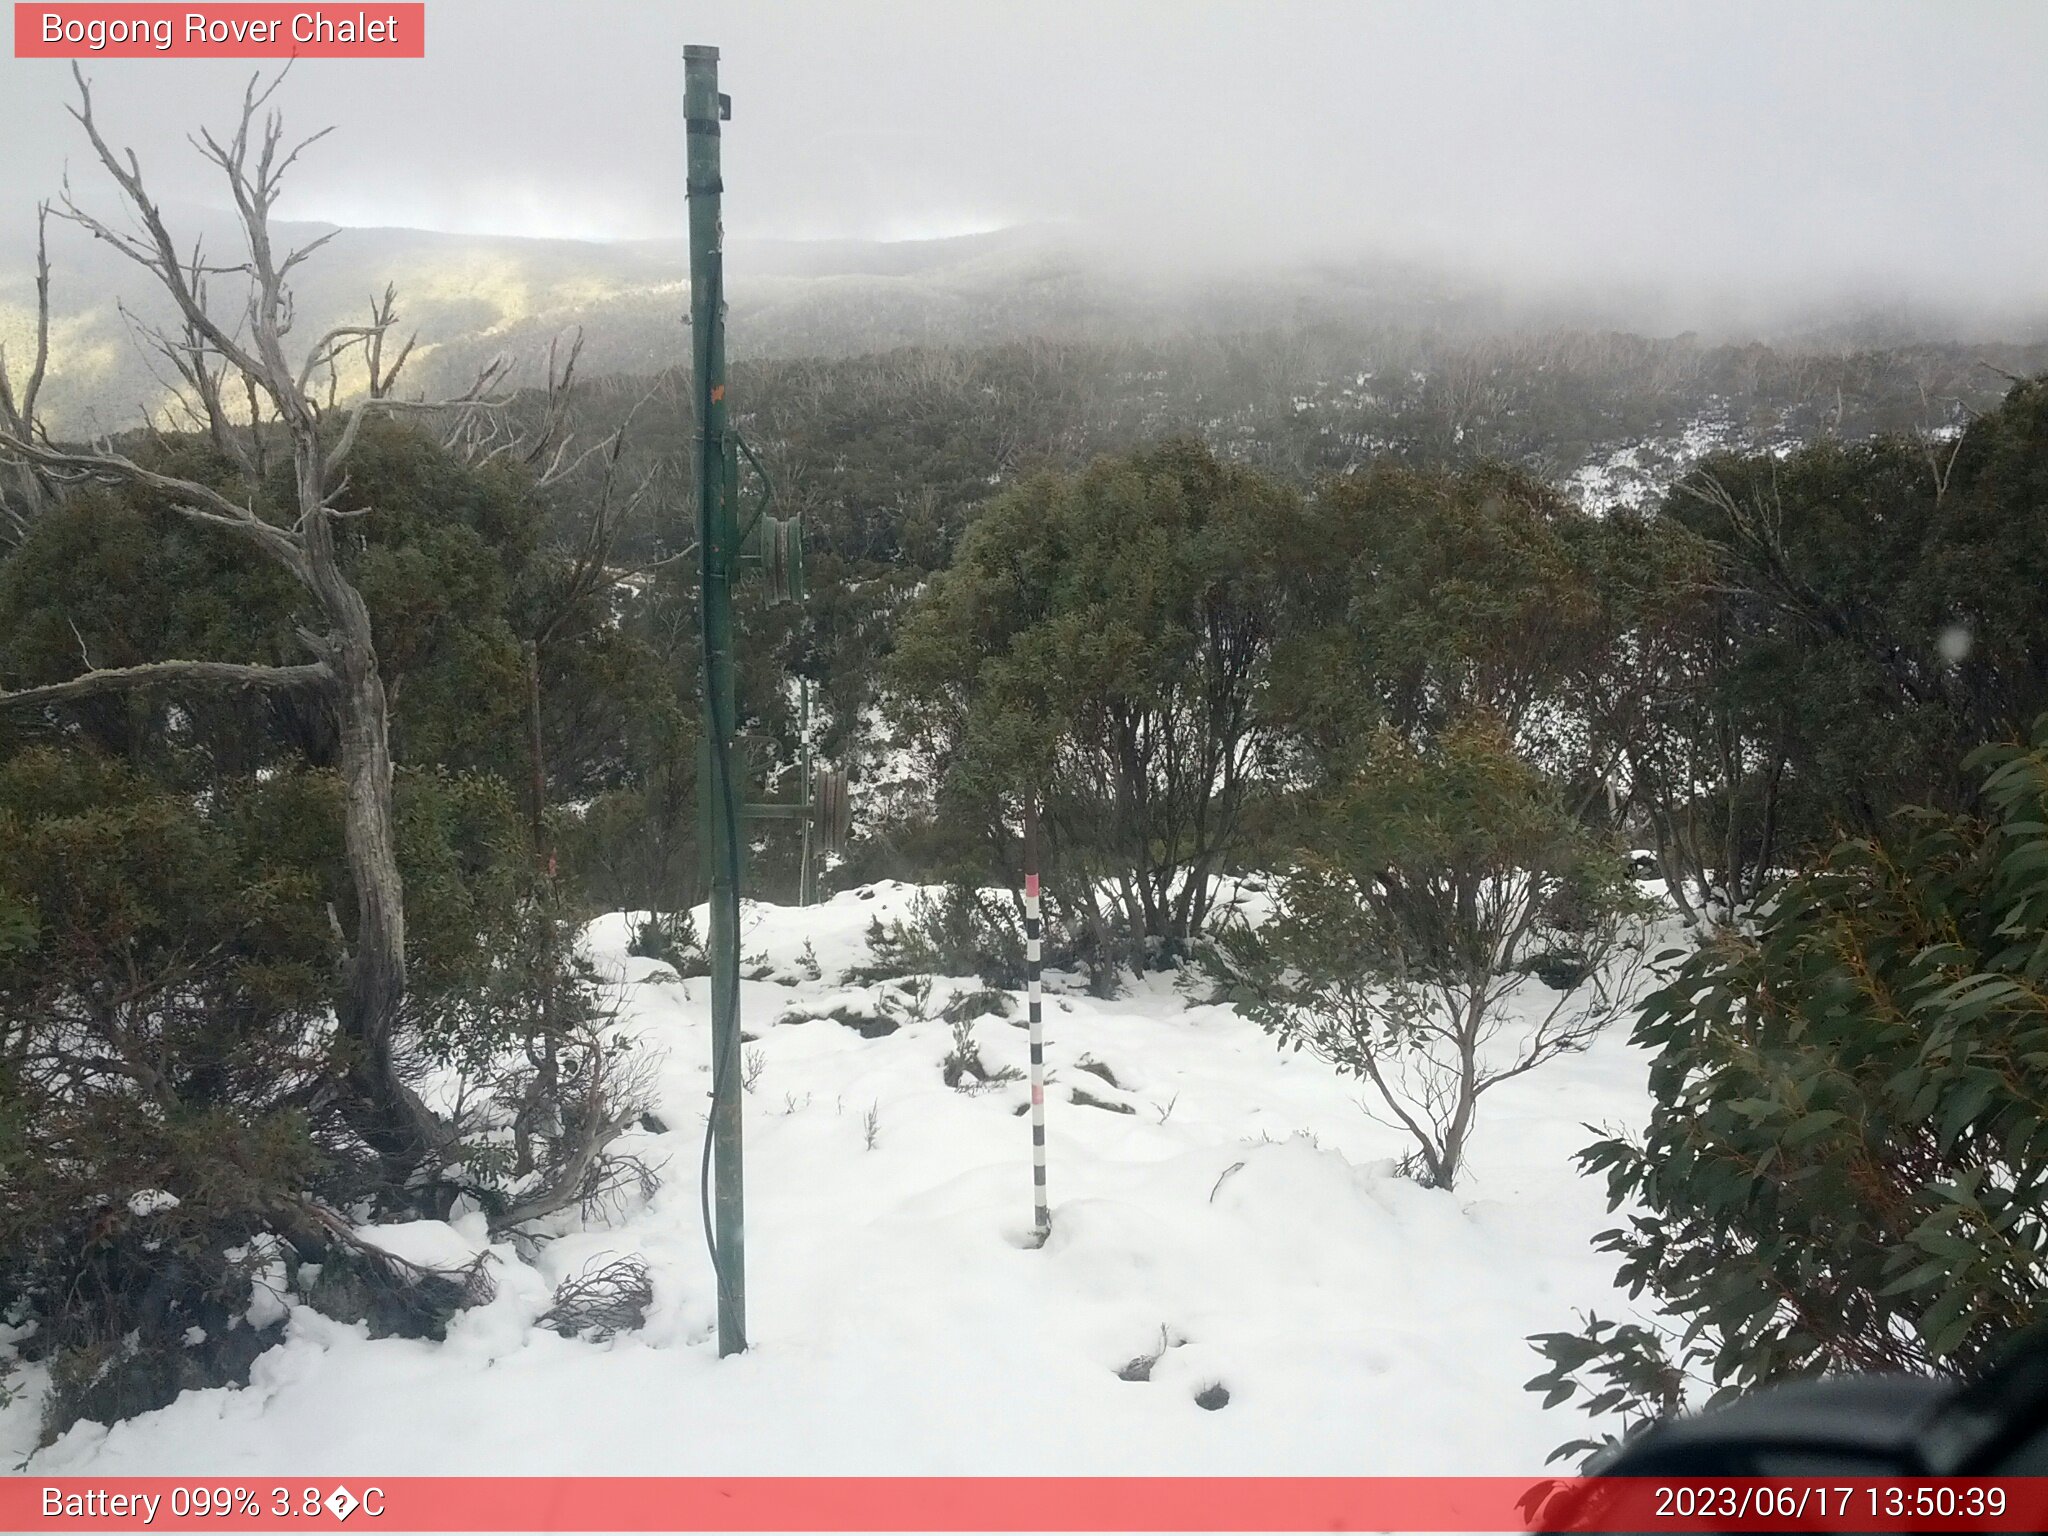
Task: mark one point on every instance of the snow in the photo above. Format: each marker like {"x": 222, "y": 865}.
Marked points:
{"x": 1244, "y": 1223}
{"x": 269, "y": 1280}
{"x": 147, "y": 1202}
{"x": 431, "y": 1244}
{"x": 1636, "y": 475}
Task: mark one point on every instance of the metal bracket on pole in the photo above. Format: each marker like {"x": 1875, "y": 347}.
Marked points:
{"x": 828, "y": 811}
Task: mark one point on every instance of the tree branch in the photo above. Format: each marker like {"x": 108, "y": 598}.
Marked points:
{"x": 159, "y": 255}
{"x": 20, "y": 414}
{"x": 157, "y": 674}
{"x": 199, "y": 502}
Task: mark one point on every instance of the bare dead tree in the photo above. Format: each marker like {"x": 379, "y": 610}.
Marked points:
{"x": 483, "y": 437}
{"x": 18, "y": 412}
{"x": 1941, "y": 465}
{"x": 606, "y": 1297}
{"x": 586, "y": 557}
{"x": 383, "y": 317}
{"x": 404, "y": 1135}
{"x": 600, "y": 1094}
{"x": 201, "y": 372}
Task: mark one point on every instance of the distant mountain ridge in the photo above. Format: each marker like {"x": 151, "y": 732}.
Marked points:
{"x": 470, "y": 297}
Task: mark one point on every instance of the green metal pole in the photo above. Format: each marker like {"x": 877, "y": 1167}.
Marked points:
{"x": 717, "y": 797}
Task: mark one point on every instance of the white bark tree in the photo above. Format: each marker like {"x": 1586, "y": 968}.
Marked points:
{"x": 24, "y": 492}
{"x": 210, "y": 349}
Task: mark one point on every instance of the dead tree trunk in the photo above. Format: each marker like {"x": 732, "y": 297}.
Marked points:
{"x": 397, "y": 1126}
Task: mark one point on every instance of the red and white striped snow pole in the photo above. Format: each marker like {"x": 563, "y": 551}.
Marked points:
{"x": 1041, "y": 1214}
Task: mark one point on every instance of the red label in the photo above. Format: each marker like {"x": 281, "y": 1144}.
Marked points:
{"x": 1050, "y": 1504}
{"x": 375, "y": 31}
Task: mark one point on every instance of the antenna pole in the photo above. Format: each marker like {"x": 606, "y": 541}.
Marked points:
{"x": 718, "y": 807}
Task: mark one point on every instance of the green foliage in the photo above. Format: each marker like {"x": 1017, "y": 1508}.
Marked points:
{"x": 438, "y": 556}
{"x": 1404, "y": 941}
{"x": 1104, "y": 638}
{"x": 1864, "y": 615}
{"x": 636, "y": 846}
{"x": 162, "y": 1028}
{"x": 176, "y": 912}
{"x": 472, "y": 905}
{"x": 1439, "y": 595}
{"x": 106, "y": 580}
{"x": 1622, "y": 1368}
{"x": 1846, "y": 1163}
{"x": 458, "y": 572}
{"x": 167, "y": 980}
{"x": 963, "y": 1069}
{"x": 959, "y": 932}
{"x": 896, "y": 948}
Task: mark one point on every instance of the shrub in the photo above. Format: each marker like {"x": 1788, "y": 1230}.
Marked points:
{"x": 607, "y": 1296}
{"x": 959, "y": 932}
{"x": 672, "y": 939}
{"x": 963, "y": 1067}
{"x": 1845, "y": 1165}
{"x": 1401, "y": 948}
{"x": 168, "y": 1055}
{"x": 1106, "y": 638}
{"x": 162, "y": 1035}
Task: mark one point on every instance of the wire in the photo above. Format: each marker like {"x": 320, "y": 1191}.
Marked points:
{"x": 767, "y": 485}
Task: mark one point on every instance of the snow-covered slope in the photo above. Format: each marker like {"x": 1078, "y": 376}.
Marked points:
{"x": 1245, "y": 1214}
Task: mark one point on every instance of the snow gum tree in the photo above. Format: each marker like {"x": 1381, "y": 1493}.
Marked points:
{"x": 1106, "y": 638}
{"x": 1451, "y": 926}
{"x": 1803, "y": 643}
{"x": 1451, "y": 909}
{"x": 1424, "y": 596}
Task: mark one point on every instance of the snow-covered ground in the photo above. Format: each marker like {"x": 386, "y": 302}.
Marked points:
{"x": 1638, "y": 474}
{"x": 1246, "y": 1215}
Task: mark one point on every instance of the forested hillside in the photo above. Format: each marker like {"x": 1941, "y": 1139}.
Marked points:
{"x": 1436, "y": 704}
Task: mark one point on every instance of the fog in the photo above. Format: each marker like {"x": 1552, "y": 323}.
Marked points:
{"x": 1733, "y": 150}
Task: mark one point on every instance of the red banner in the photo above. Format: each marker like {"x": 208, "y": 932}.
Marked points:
{"x": 396, "y": 1504}
{"x": 263, "y": 31}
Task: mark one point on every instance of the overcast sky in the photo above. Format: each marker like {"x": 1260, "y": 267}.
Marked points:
{"x": 1699, "y": 143}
